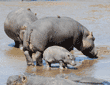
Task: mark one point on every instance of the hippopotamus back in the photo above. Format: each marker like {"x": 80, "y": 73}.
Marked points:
{"x": 53, "y": 31}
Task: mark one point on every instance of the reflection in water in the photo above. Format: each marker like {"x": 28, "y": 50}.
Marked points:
{"x": 42, "y": 70}
{"x": 11, "y": 45}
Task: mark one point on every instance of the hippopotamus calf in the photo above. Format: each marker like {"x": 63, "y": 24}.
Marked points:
{"x": 63, "y": 31}
{"x": 16, "y": 23}
{"x": 57, "y": 54}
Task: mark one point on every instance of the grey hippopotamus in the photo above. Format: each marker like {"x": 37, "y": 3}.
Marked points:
{"x": 63, "y": 31}
{"x": 16, "y": 23}
{"x": 37, "y": 80}
{"x": 60, "y": 79}
{"x": 57, "y": 54}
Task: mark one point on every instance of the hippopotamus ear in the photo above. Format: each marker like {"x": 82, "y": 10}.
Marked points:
{"x": 24, "y": 79}
{"x": 91, "y": 35}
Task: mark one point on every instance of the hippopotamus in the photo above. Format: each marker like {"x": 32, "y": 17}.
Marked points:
{"x": 57, "y": 54}
{"x": 16, "y": 23}
{"x": 37, "y": 80}
{"x": 60, "y": 79}
{"x": 63, "y": 31}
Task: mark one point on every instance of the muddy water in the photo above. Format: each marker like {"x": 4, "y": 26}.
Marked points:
{"x": 92, "y": 14}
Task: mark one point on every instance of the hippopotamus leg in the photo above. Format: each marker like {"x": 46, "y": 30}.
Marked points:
{"x": 48, "y": 64}
{"x": 38, "y": 56}
{"x": 21, "y": 46}
{"x": 61, "y": 64}
{"x": 28, "y": 58}
{"x": 65, "y": 65}
{"x": 17, "y": 44}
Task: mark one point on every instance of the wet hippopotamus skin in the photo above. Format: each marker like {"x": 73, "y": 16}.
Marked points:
{"x": 60, "y": 79}
{"x": 16, "y": 23}
{"x": 57, "y": 54}
{"x": 63, "y": 31}
{"x": 83, "y": 80}
{"x": 37, "y": 80}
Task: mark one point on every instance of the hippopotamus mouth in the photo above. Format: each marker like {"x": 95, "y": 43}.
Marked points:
{"x": 91, "y": 54}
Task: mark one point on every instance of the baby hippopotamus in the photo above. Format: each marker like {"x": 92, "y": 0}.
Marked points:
{"x": 57, "y": 54}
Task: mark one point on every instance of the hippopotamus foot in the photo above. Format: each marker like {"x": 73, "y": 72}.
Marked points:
{"x": 21, "y": 47}
{"x": 30, "y": 64}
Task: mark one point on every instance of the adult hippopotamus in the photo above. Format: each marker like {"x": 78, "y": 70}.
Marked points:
{"x": 63, "y": 31}
{"x": 60, "y": 79}
{"x": 38, "y": 80}
{"x": 16, "y": 23}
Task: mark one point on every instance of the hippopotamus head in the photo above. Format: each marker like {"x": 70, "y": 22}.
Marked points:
{"x": 70, "y": 59}
{"x": 88, "y": 47}
{"x": 17, "y": 80}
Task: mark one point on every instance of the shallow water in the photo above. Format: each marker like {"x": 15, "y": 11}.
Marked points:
{"x": 92, "y": 14}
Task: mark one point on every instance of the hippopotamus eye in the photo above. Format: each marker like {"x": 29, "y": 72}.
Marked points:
{"x": 70, "y": 57}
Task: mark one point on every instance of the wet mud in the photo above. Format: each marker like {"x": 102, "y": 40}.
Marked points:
{"x": 92, "y": 14}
